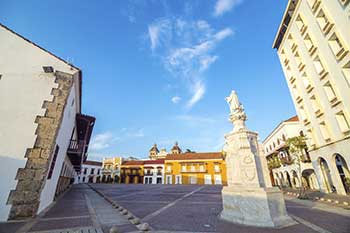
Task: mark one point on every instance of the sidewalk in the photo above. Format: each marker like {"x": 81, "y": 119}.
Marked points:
{"x": 327, "y": 198}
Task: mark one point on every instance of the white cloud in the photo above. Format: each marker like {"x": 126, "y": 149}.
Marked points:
{"x": 132, "y": 133}
{"x": 223, "y": 6}
{"x": 176, "y": 99}
{"x": 158, "y": 31}
{"x": 102, "y": 141}
{"x": 198, "y": 90}
{"x": 188, "y": 52}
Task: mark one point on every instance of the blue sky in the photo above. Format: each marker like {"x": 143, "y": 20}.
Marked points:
{"x": 158, "y": 71}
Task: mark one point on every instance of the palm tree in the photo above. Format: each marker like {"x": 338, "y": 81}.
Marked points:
{"x": 297, "y": 147}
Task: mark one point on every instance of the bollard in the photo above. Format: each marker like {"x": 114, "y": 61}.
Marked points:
{"x": 135, "y": 221}
{"x": 114, "y": 229}
{"x": 129, "y": 216}
{"x": 124, "y": 212}
{"x": 143, "y": 227}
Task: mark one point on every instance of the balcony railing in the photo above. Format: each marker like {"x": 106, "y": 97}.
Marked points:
{"x": 76, "y": 147}
{"x": 148, "y": 173}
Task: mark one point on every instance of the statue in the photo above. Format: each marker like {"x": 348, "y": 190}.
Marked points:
{"x": 233, "y": 102}
{"x": 249, "y": 197}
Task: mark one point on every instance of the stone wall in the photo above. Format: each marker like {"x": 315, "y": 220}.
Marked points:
{"x": 31, "y": 179}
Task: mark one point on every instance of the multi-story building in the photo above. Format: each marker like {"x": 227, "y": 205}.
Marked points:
{"x": 313, "y": 43}
{"x": 111, "y": 169}
{"x": 153, "y": 171}
{"x": 132, "y": 172}
{"x": 44, "y": 137}
{"x": 286, "y": 169}
{"x": 90, "y": 172}
{"x": 195, "y": 168}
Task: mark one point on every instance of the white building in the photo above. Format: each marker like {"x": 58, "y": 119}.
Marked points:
{"x": 44, "y": 137}
{"x": 313, "y": 46}
{"x": 284, "y": 166}
{"x": 153, "y": 171}
{"x": 90, "y": 172}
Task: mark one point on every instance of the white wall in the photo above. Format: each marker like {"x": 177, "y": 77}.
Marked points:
{"x": 23, "y": 88}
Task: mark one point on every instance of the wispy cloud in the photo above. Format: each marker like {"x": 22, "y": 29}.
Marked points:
{"x": 102, "y": 141}
{"x": 186, "y": 49}
{"x": 176, "y": 99}
{"x": 223, "y": 6}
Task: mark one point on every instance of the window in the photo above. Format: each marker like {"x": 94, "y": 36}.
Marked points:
{"x": 53, "y": 162}
{"x": 298, "y": 60}
{"x": 193, "y": 168}
{"x": 92, "y": 171}
{"x": 295, "y": 92}
{"x": 309, "y": 44}
{"x": 319, "y": 66}
{"x": 85, "y": 171}
{"x": 336, "y": 46}
{"x": 323, "y": 22}
{"x": 201, "y": 168}
{"x": 283, "y": 137}
{"x": 314, "y": 4}
{"x": 315, "y": 104}
{"x": 343, "y": 123}
{"x": 83, "y": 179}
{"x": 98, "y": 171}
{"x": 324, "y": 131}
{"x": 217, "y": 167}
{"x": 330, "y": 93}
{"x": 306, "y": 81}
{"x": 300, "y": 24}
{"x": 346, "y": 72}
{"x": 344, "y": 2}
{"x": 302, "y": 113}
{"x": 183, "y": 168}
{"x": 168, "y": 168}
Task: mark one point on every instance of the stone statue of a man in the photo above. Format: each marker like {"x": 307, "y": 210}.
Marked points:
{"x": 233, "y": 102}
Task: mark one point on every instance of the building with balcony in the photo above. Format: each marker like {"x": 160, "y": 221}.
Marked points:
{"x": 111, "y": 170}
{"x": 313, "y": 43}
{"x": 132, "y": 172}
{"x": 90, "y": 172}
{"x": 44, "y": 135}
{"x": 153, "y": 171}
{"x": 195, "y": 168}
{"x": 288, "y": 169}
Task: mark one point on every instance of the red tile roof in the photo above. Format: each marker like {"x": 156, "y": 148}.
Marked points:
{"x": 95, "y": 163}
{"x": 294, "y": 118}
{"x": 194, "y": 156}
{"x": 157, "y": 161}
{"x": 133, "y": 162}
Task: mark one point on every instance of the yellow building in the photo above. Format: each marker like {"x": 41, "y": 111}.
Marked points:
{"x": 111, "y": 169}
{"x": 195, "y": 168}
{"x": 132, "y": 172}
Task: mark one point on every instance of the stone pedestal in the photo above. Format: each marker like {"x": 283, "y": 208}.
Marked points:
{"x": 249, "y": 198}
{"x": 263, "y": 207}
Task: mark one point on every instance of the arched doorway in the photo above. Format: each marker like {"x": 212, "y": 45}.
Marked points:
{"x": 283, "y": 183}
{"x": 309, "y": 180}
{"x": 109, "y": 179}
{"x": 104, "y": 179}
{"x": 98, "y": 179}
{"x": 116, "y": 179}
{"x": 288, "y": 180}
{"x": 326, "y": 176}
{"x": 343, "y": 172}
{"x": 295, "y": 179}
{"x": 91, "y": 179}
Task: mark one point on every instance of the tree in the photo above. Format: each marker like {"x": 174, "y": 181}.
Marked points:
{"x": 297, "y": 147}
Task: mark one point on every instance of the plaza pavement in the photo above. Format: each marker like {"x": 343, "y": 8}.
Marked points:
{"x": 167, "y": 208}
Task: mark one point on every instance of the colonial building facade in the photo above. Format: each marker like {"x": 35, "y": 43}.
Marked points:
{"x": 90, "y": 172}
{"x": 195, "y": 168}
{"x": 111, "y": 169}
{"x": 153, "y": 171}
{"x": 132, "y": 172}
{"x": 44, "y": 136}
{"x": 287, "y": 169}
{"x": 313, "y": 44}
